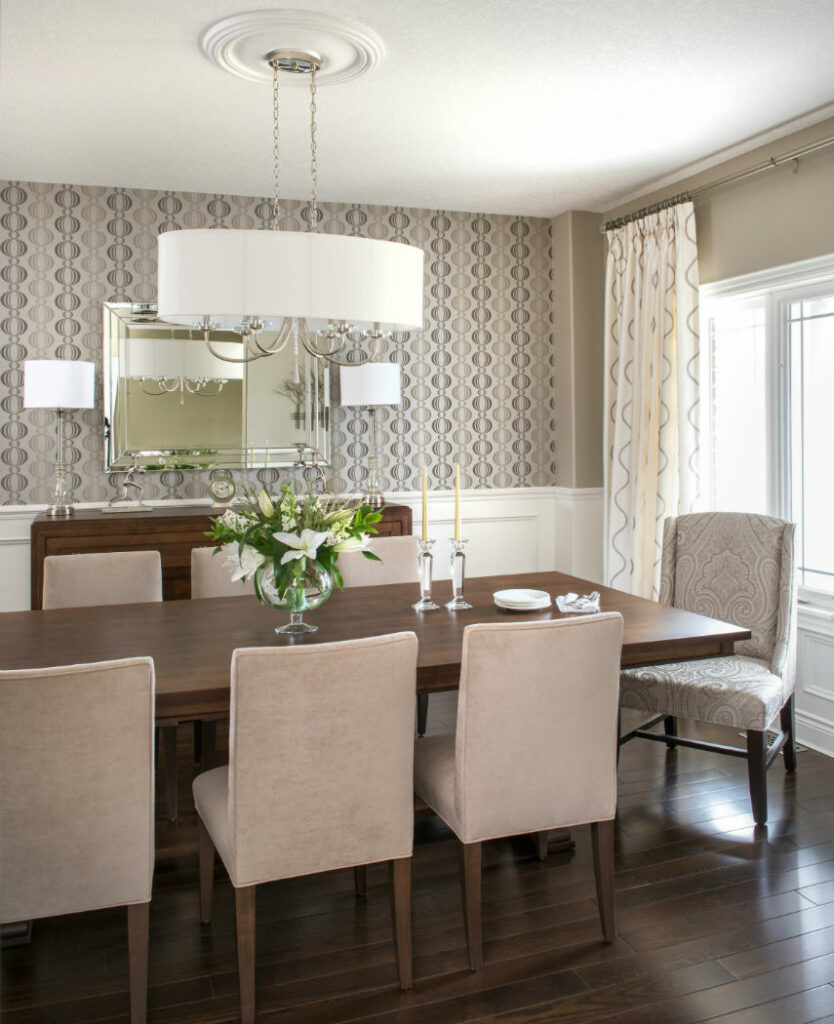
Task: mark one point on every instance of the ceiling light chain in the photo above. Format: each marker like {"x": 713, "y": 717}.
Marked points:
{"x": 314, "y": 217}
{"x": 276, "y": 195}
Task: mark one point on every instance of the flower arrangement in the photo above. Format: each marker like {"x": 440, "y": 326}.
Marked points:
{"x": 277, "y": 540}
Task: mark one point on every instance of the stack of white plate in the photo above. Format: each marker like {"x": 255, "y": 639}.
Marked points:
{"x": 521, "y": 600}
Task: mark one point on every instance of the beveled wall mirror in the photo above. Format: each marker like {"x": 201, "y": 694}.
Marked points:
{"x": 171, "y": 404}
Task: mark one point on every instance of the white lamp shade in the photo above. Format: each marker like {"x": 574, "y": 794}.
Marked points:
{"x": 371, "y": 384}
{"x": 58, "y": 384}
{"x": 225, "y": 274}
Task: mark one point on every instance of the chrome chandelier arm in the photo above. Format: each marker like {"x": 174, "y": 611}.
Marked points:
{"x": 340, "y": 338}
{"x": 199, "y": 385}
{"x": 281, "y": 339}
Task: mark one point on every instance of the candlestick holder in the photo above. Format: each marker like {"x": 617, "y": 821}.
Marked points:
{"x": 424, "y": 568}
{"x": 457, "y": 565}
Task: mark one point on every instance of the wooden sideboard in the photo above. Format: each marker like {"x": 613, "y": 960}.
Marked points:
{"x": 173, "y": 532}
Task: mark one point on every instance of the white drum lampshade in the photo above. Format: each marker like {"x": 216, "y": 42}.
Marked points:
{"x": 58, "y": 384}
{"x": 225, "y": 274}
{"x": 371, "y": 384}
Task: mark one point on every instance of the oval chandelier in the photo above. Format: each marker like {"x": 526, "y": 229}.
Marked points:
{"x": 269, "y": 285}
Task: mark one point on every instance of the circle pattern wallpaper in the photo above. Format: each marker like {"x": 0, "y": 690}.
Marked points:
{"x": 478, "y": 380}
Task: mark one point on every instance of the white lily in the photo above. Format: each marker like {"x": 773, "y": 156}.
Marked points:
{"x": 304, "y": 546}
{"x": 244, "y": 564}
{"x": 353, "y": 544}
{"x": 265, "y": 504}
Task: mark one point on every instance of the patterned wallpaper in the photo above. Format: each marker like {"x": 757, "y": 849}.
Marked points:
{"x": 478, "y": 381}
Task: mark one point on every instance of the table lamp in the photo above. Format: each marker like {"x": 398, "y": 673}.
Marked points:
{"x": 371, "y": 384}
{"x": 59, "y": 384}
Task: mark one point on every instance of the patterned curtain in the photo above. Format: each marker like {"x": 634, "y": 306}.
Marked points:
{"x": 651, "y": 391}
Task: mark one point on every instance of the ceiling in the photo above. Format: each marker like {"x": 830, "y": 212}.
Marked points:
{"x": 500, "y": 106}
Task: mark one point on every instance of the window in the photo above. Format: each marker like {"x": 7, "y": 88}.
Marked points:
{"x": 768, "y": 352}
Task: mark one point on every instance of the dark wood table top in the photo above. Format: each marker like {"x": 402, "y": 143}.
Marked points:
{"x": 191, "y": 642}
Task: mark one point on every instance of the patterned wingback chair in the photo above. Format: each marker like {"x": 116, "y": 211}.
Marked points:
{"x": 739, "y": 568}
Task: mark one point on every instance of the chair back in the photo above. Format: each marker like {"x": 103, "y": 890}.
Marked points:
{"x": 76, "y": 803}
{"x": 738, "y": 567}
{"x": 321, "y": 756}
{"x": 398, "y": 565}
{"x": 112, "y": 577}
{"x": 211, "y": 576}
{"x": 536, "y": 741}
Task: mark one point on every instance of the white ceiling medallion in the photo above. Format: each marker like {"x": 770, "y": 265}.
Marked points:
{"x": 239, "y": 44}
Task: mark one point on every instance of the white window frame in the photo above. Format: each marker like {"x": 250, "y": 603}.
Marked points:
{"x": 776, "y": 288}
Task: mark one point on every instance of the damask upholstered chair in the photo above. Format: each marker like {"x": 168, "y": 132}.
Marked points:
{"x": 211, "y": 576}
{"x": 535, "y": 746}
{"x": 320, "y": 777}
{"x": 736, "y": 567}
{"x": 398, "y": 565}
{"x": 76, "y": 815}
{"x": 105, "y": 578}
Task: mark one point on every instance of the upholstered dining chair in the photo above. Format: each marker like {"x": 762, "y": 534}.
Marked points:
{"x": 114, "y": 577}
{"x": 737, "y": 567}
{"x": 211, "y": 576}
{"x": 319, "y": 777}
{"x": 534, "y": 748}
{"x": 76, "y": 803}
{"x": 398, "y": 565}
{"x": 111, "y": 577}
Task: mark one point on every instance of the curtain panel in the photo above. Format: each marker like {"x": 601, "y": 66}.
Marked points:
{"x": 652, "y": 387}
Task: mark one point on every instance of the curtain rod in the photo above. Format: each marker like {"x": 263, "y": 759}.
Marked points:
{"x": 730, "y": 179}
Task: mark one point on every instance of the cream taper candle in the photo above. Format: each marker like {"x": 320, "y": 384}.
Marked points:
{"x": 457, "y": 501}
{"x": 425, "y": 504}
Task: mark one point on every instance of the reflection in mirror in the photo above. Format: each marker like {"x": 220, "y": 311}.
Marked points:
{"x": 175, "y": 405}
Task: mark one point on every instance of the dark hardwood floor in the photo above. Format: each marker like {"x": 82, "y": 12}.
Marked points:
{"x": 716, "y": 921}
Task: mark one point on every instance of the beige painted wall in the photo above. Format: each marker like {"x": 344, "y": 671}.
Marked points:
{"x": 578, "y": 275}
{"x": 778, "y": 216}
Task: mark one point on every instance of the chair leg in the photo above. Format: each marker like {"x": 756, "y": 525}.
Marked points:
{"x": 757, "y": 774}
{"x": 602, "y": 841}
{"x": 206, "y": 872}
{"x": 360, "y": 879}
{"x": 542, "y": 845}
{"x": 245, "y": 919}
{"x": 670, "y": 724}
{"x": 422, "y": 713}
{"x": 470, "y": 877}
{"x": 788, "y": 723}
{"x": 400, "y": 881}
{"x": 198, "y": 743}
{"x": 138, "y": 915}
{"x": 169, "y": 743}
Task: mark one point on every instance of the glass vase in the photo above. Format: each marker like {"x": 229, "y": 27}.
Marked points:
{"x": 305, "y": 594}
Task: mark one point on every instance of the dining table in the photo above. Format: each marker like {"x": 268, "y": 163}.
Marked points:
{"x": 191, "y": 641}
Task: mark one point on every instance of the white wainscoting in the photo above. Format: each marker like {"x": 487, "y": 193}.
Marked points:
{"x": 815, "y": 679}
{"x": 513, "y": 530}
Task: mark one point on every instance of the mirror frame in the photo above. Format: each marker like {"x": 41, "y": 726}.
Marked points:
{"x": 116, "y": 316}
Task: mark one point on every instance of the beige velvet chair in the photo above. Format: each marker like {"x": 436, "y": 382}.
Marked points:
{"x": 739, "y": 568}
{"x": 319, "y": 777}
{"x": 76, "y": 815}
{"x": 114, "y": 577}
{"x": 398, "y": 565}
{"x": 535, "y": 746}
{"x": 211, "y": 576}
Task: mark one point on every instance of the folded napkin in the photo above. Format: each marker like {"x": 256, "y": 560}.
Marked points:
{"x": 578, "y": 604}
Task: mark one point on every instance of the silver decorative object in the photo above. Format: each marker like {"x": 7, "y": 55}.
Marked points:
{"x": 457, "y": 565}
{"x": 424, "y": 567}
